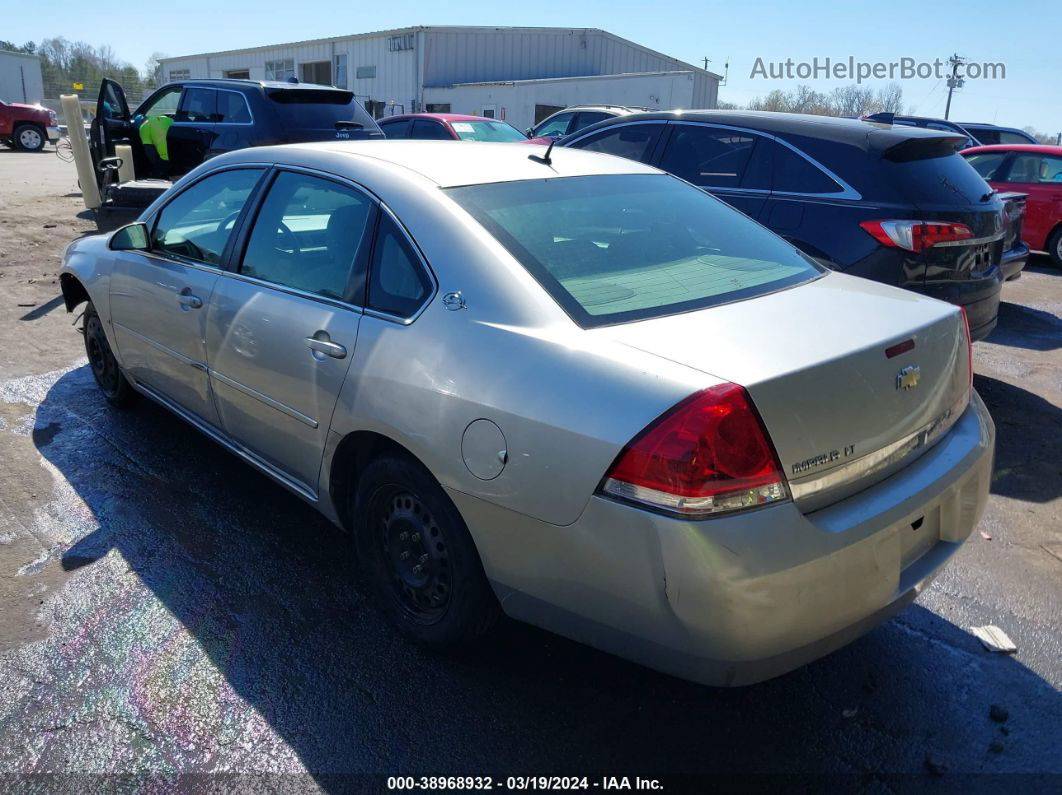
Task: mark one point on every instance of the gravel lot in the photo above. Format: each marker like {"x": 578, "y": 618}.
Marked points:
{"x": 166, "y": 610}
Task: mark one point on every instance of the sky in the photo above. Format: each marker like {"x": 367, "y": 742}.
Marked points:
{"x": 1023, "y": 35}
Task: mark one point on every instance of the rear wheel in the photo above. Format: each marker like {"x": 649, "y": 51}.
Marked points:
{"x": 418, "y": 556}
{"x": 104, "y": 366}
{"x": 1054, "y": 247}
{"x": 29, "y": 138}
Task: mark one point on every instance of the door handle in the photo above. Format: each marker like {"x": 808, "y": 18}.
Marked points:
{"x": 327, "y": 347}
{"x": 190, "y": 301}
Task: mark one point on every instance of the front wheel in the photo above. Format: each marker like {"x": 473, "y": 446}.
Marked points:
{"x": 29, "y": 138}
{"x": 104, "y": 366}
{"x": 418, "y": 556}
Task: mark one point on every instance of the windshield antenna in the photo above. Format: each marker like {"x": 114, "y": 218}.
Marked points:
{"x": 545, "y": 158}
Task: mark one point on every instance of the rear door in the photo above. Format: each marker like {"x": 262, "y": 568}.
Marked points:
{"x": 1039, "y": 176}
{"x": 733, "y": 164}
{"x": 282, "y": 328}
{"x": 112, "y": 125}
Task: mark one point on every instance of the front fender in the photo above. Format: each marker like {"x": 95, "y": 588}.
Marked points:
{"x": 86, "y": 276}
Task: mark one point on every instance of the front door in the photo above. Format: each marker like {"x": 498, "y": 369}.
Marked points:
{"x": 112, "y": 124}
{"x": 193, "y": 131}
{"x": 159, "y": 298}
{"x": 282, "y": 329}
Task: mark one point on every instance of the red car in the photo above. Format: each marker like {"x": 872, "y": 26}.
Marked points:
{"x": 450, "y": 127}
{"x": 1034, "y": 170}
{"x": 27, "y": 127}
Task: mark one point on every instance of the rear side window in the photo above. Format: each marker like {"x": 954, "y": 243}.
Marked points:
{"x": 986, "y": 163}
{"x": 198, "y": 104}
{"x": 587, "y": 117}
{"x": 425, "y": 130}
{"x": 396, "y": 129}
{"x": 197, "y": 224}
{"x": 307, "y": 236}
{"x": 634, "y": 141}
{"x": 615, "y": 248}
{"x": 232, "y": 108}
{"x": 398, "y": 284}
{"x": 708, "y": 156}
{"x": 794, "y": 173}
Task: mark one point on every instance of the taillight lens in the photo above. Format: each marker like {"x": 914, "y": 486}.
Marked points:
{"x": 916, "y": 235}
{"x": 707, "y": 455}
{"x": 969, "y": 345}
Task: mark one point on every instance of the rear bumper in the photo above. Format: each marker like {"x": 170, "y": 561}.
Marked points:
{"x": 736, "y": 600}
{"x": 1013, "y": 261}
{"x": 979, "y": 297}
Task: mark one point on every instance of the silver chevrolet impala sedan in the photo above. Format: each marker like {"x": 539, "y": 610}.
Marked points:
{"x": 559, "y": 385}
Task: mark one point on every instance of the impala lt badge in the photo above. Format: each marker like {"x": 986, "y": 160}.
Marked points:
{"x": 908, "y": 377}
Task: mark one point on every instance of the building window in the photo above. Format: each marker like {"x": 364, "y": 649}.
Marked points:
{"x": 437, "y": 107}
{"x": 489, "y": 111}
{"x": 365, "y": 72}
{"x": 341, "y": 71}
{"x": 180, "y": 74}
{"x": 317, "y": 72}
{"x": 238, "y": 74}
{"x": 280, "y": 70}
{"x": 399, "y": 43}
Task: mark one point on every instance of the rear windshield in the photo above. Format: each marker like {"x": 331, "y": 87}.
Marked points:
{"x": 616, "y": 248}
{"x": 938, "y": 181}
{"x": 310, "y": 96}
{"x": 487, "y": 131}
{"x": 307, "y": 108}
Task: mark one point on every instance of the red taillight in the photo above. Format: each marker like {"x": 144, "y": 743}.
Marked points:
{"x": 969, "y": 345}
{"x": 708, "y": 454}
{"x": 916, "y": 235}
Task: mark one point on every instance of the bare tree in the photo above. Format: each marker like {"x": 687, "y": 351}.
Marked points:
{"x": 152, "y": 74}
{"x": 850, "y": 101}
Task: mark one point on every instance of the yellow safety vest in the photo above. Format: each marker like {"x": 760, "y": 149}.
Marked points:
{"x": 153, "y": 131}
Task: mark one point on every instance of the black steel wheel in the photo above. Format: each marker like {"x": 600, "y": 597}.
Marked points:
{"x": 418, "y": 556}
{"x": 104, "y": 366}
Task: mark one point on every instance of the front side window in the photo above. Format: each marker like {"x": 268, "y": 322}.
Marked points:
{"x": 986, "y": 163}
{"x": 307, "y": 236}
{"x": 1007, "y": 137}
{"x": 709, "y": 156}
{"x": 398, "y": 284}
{"x": 555, "y": 127}
{"x": 632, "y": 141}
{"x": 497, "y": 131}
{"x": 165, "y": 104}
{"x": 615, "y": 248}
{"x": 197, "y": 224}
{"x": 425, "y": 130}
{"x": 588, "y": 117}
{"x": 198, "y": 104}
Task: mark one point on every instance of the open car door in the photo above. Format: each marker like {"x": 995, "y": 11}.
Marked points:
{"x": 112, "y": 125}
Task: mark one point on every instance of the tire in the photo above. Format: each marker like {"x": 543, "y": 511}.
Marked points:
{"x": 1054, "y": 247}
{"x": 29, "y": 138}
{"x": 418, "y": 557}
{"x": 105, "y": 369}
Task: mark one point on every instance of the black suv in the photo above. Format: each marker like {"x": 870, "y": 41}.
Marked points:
{"x": 895, "y": 204}
{"x": 210, "y": 117}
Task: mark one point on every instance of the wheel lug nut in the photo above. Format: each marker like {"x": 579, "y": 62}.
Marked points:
{"x": 424, "y": 558}
{"x": 403, "y": 536}
{"x": 418, "y": 569}
{"x": 404, "y": 555}
{"x": 414, "y": 538}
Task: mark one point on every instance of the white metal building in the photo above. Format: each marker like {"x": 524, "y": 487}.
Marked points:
{"x": 20, "y": 77}
{"x": 517, "y": 74}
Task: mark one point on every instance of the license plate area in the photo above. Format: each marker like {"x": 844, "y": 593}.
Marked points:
{"x": 919, "y": 536}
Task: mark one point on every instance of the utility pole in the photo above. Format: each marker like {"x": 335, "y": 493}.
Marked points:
{"x": 954, "y": 81}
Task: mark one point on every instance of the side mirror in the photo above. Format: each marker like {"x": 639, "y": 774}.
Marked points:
{"x": 133, "y": 237}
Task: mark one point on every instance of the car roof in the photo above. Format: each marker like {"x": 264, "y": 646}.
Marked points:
{"x": 439, "y": 116}
{"x": 1042, "y": 149}
{"x": 453, "y": 163}
{"x": 236, "y": 84}
{"x": 868, "y": 135}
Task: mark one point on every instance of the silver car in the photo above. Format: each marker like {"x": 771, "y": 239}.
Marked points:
{"x": 563, "y": 386}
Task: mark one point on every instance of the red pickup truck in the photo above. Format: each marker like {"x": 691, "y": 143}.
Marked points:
{"x": 27, "y": 127}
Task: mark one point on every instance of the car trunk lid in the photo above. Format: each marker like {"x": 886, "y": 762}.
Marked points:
{"x": 853, "y": 379}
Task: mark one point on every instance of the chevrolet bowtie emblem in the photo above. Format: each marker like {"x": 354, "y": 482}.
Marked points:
{"x": 908, "y": 377}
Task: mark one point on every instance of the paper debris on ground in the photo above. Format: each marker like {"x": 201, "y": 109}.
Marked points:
{"x": 994, "y": 639}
